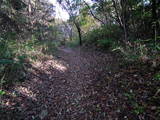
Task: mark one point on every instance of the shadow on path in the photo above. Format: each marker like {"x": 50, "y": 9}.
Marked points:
{"x": 70, "y": 86}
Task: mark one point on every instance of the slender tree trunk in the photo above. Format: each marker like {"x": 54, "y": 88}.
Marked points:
{"x": 158, "y": 17}
{"x": 154, "y": 8}
{"x": 123, "y": 16}
{"x": 80, "y": 37}
{"x": 29, "y": 8}
{"x": 71, "y": 34}
{"x": 125, "y": 33}
{"x": 79, "y": 33}
{"x": 154, "y": 21}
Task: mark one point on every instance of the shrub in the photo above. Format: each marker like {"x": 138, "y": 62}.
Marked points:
{"x": 105, "y": 43}
{"x": 73, "y": 43}
{"x": 11, "y": 63}
{"x": 103, "y": 37}
{"x": 49, "y": 47}
{"x": 14, "y": 53}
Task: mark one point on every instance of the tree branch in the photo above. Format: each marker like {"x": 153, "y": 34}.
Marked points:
{"x": 95, "y": 17}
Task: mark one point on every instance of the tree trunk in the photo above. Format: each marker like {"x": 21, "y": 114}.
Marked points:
{"x": 121, "y": 17}
{"x": 79, "y": 33}
{"x": 29, "y": 8}
{"x": 154, "y": 21}
{"x": 154, "y": 8}
{"x": 71, "y": 34}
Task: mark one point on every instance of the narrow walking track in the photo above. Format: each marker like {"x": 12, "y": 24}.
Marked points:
{"x": 70, "y": 86}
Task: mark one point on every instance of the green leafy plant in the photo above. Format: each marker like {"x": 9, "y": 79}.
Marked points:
{"x": 129, "y": 96}
{"x": 157, "y": 76}
{"x": 2, "y": 92}
{"x": 105, "y": 43}
{"x": 104, "y": 37}
{"x": 138, "y": 109}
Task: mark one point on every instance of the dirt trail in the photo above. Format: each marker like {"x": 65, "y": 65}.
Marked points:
{"x": 70, "y": 86}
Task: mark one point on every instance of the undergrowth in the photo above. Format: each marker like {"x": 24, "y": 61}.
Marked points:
{"x": 15, "y": 54}
{"x": 105, "y": 37}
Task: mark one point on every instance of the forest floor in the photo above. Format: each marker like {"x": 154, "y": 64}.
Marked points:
{"x": 80, "y": 84}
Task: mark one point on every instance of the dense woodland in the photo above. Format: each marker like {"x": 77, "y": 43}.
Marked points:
{"x": 128, "y": 31}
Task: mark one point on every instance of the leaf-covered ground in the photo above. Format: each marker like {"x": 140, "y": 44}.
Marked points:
{"x": 81, "y": 85}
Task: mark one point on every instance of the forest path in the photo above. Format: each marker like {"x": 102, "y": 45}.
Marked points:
{"x": 70, "y": 86}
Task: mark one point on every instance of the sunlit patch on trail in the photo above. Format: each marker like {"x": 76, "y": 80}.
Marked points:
{"x": 27, "y": 92}
{"x": 60, "y": 67}
{"x": 53, "y": 64}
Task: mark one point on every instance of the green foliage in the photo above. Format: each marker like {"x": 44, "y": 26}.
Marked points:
{"x": 49, "y": 47}
{"x": 134, "y": 51}
{"x": 137, "y": 109}
{"x": 104, "y": 37}
{"x": 130, "y": 96}
{"x": 73, "y": 43}
{"x": 157, "y": 76}
{"x": 15, "y": 53}
{"x": 105, "y": 43}
{"x": 2, "y": 93}
{"x": 5, "y": 61}
{"x": 12, "y": 70}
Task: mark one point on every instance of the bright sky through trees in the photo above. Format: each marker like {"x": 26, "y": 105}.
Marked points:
{"x": 60, "y": 13}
